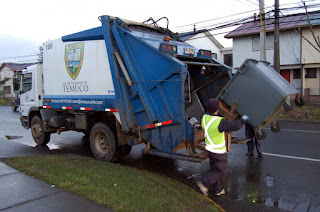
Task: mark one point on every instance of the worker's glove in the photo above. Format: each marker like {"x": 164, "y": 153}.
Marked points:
{"x": 245, "y": 118}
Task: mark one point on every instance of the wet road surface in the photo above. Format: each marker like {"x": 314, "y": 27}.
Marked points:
{"x": 286, "y": 178}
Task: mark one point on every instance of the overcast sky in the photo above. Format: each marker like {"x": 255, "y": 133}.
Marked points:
{"x": 25, "y": 25}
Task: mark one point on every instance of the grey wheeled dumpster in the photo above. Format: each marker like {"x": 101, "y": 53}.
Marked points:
{"x": 258, "y": 91}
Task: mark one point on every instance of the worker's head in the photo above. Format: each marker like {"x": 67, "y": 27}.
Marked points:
{"x": 212, "y": 107}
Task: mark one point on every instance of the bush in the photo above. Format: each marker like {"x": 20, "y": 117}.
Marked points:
{"x": 308, "y": 112}
{"x": 5, "y": 101}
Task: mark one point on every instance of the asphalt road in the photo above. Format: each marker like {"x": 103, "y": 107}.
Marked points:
{"x": 286, "y": 178}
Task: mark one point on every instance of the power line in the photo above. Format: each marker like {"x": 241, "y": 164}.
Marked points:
{"x": 6, "y": 58}
{"x": 25, "y": 61}
{"x": 236, "y": 22}
{"x": 245, "y": 28}
{"x": 247, "y": 2}
{"x": 225, "y": 24}
{"x": 199, "y": 22}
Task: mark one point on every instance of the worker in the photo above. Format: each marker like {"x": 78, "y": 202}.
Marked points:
{"x": 251, "y": 134}
{"x": 214, "y": 129}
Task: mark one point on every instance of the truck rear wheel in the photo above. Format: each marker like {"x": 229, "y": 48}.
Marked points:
{"x": 103, "y": 143}
{"x": 37, "y": 130}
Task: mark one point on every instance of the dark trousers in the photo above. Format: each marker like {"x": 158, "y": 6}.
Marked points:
{"x": 257, "y": 143}
{"x": 218, "y": 169}
{"x": 251, "y": 134}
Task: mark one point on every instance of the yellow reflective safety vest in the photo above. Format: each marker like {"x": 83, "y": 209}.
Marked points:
{"x": 215, "y": 140}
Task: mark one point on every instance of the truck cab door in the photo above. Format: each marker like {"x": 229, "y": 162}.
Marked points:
{"x": 27, "y": 94}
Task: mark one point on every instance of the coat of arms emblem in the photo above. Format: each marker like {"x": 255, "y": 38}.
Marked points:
{"x": 73, "y": 57}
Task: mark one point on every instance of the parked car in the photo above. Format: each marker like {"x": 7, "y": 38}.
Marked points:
{"x": 15, "y": 104}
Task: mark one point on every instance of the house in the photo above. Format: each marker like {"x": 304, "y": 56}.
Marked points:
{"x": 299, "y": 61}
{"x": 13, "y": 72}
{"x": 203, "y": 39}
{"x": 227, "y": 56}
{"x": 310, "y": 59}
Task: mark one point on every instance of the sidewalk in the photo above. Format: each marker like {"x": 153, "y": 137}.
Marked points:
{"x": 298, "y": 120}
{"x": 20, "y": 192}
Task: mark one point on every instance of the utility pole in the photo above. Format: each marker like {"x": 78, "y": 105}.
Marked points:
{"x": 262, "y": 32}
{"x": 276, "y": 60}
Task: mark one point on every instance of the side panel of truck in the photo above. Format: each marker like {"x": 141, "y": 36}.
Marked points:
{"x": 77, "y": 76}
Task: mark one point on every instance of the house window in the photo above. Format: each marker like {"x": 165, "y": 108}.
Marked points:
{"x": 296, "y": 73}
{"x": 214, "y": 55}
{"x": 269, "y": 43}
{"x": 227, "y": 59}
{"x": 7, "y": 89}
{"x": 311, "y": 73}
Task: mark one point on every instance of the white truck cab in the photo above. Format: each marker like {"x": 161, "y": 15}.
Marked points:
{"x": 31, "y": 89}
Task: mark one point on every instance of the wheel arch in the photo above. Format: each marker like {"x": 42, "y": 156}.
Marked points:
{"x": 33, "y": 111}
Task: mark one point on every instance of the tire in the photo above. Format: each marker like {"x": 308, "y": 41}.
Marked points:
{"x": 287, "y": 107}
{"x": 103, "y": 143}
{"x": 300, "y": 101}
{"x": 261, "y": 134}
{"x": 37, "y": 130}
{"x": 13, "y": 107}
{"x": 275, "y": 128}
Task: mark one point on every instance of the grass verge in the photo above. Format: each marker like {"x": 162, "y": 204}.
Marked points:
{"x": 5, "y": 101}
{"x": 305, "y": 112}
{"x": 119, "y": 187}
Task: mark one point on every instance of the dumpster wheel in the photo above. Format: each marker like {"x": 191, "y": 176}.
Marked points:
{"x": 275, "y": 127}
{"x": 287, "y": 104}
{"x": 300, "y": 101}
{"x": 261, "y": 134}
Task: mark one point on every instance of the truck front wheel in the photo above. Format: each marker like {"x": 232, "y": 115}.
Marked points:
{"x": 37, "y": 130}
{"x": 103, "y": 143}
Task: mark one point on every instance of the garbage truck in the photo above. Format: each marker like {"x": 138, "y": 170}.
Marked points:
{"x": 126, "y": 83}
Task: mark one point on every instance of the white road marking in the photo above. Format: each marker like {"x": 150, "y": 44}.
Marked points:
{"x": 305, "y": 131}
{"x": 292, "y": 157}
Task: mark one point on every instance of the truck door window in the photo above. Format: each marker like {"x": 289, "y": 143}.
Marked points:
{"x": 27, "y": 83}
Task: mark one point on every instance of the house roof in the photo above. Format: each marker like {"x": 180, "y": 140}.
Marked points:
{"x": 286, "y": 23}
{"x": 16, "y": 66}
{"x": 188, "y": 35}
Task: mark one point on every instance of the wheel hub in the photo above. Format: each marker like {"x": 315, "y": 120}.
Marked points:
{"x": 36, "y": 130}
{"x": 102, "y": 143}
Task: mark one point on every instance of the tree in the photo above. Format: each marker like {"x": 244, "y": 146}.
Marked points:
{"x": 2, "y": 83}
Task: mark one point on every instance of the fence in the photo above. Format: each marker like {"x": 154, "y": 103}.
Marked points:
{"x": 312, "y": 95}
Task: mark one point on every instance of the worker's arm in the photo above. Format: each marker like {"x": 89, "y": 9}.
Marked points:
{"x": 228, "y": 126}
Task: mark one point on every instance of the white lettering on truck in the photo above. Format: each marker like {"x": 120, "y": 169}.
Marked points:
{"x": 75, "y": 87}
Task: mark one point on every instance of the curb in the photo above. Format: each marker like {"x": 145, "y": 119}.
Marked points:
{"x": 299, "y": 120}
{"x": 184, "y": 185}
